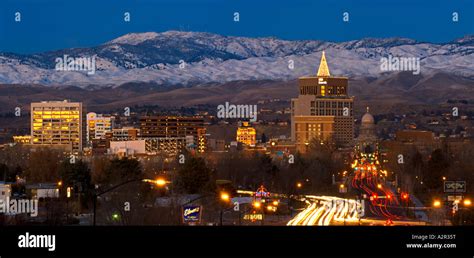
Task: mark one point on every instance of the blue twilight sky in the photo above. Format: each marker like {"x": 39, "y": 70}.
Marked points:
{"x": 56, "y": 24}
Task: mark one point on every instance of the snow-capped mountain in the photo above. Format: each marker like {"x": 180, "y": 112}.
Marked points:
{"x": 176, "y": 57}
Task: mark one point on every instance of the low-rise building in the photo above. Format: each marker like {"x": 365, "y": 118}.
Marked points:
{"x": 5, "y": 191}
{"x": 128, "y": 148}
{"x": 43, "y": 190}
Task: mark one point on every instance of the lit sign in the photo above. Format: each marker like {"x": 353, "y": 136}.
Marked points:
{"x": 253, "y": 217}
{"x": 192, "y": 214}
{"x": 455, "y": 186}
{"x": 262, "y": 192}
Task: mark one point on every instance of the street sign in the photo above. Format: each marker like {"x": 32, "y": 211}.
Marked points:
{"x": 253, "y": 216}
{"x": 192, "y": 214}
{"x": 454, "y": 186}
{"x": 453, "y": 198}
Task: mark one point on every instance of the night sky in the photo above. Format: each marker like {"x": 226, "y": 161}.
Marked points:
{"x": 56, "y": 24}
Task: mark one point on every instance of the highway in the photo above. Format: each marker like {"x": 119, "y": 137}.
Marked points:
{"x": 327, "y": 210}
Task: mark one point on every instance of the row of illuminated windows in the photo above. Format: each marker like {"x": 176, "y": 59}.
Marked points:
{"x": 323, "y": 90}
{"x": 56, "y": 136}
{"x": 56, "y": 109}
{"x": 49, "y": 128}
{"x": 49, "y": 113}
{"x": 308, "y": 126}
{"x": 64, "y": 136}
{"x": 54, "y": 130}
{"x": 246, "y": 137}
{"x": 331, "y": 104}
{"x": 328, "y": 112}
{"x": 70, "y": 125}
{"x": 55, "y": 124}
{"x": 45, "y": 140}
{"x": 59, "y": 117}
{"x": 61, "y": 122}
{"x": 40, "y": 112}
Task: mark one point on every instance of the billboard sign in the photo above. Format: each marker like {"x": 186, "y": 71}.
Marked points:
{"x": 254, "y": 217}
{"x": 192, "y": 214}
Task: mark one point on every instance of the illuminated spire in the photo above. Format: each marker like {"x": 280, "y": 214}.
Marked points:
{"x": 323, "y": 67}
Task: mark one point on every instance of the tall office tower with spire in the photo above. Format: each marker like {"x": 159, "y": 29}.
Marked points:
{"x": 323, "y": 110}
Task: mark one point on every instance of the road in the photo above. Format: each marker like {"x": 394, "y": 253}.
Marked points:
{"x": 327, "y": 210}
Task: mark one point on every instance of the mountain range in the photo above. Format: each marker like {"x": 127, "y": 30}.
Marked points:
{"x": 190, "y": 58}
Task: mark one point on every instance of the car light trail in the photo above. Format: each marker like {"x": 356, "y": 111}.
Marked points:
{"x": 325, "y": 210}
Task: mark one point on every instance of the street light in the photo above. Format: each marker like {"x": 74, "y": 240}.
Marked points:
{"x": 60, "y": 183}
{"x": 436, "y": 204}
{"x": 406, "y": 199}
{"x": 405, "y": 196}
{"x": 160, "y": 182}
{"x": 115, "y": 216}
{"x": 256, "y": 204}
{"x": 299, "y": 185}
{"x": 467, "y": 202}
{"x": 379, "y": 186}
{"x": 225, "y": 197}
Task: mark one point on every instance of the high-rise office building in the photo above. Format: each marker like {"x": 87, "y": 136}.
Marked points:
{"x": 172, "y": 133}
{"x": 323, "y": 110}
{"x": 98, "y": 125}
{"x": 58, "y": 123}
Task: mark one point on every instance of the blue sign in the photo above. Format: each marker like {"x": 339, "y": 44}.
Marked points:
{"x": 192, "y": 214}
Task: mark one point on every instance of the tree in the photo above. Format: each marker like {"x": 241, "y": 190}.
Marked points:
{"x": 194, "y": 177}
{"x": 416, "y": 163}
{"x": 4, "y": 172}
{"x": 320, "y": 149}
{"x": 99, "y": 167}
{"x": 43, "y": 165}
{"x": 121, "y": 170}
{"x": 76, "y": 174}
{"x": 436, "y": 168}
{"x": 266, "y": 170}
